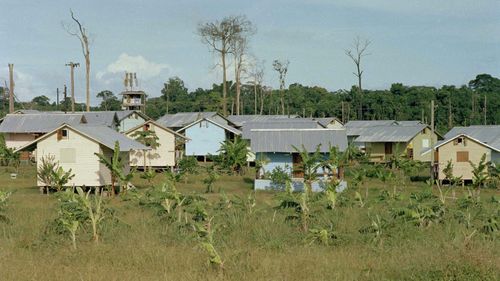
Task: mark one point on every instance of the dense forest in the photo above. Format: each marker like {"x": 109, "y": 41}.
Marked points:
{"x": 455, "y": 106}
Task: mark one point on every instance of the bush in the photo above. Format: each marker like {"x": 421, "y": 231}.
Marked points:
{"x": 188, "y": 165}
{"x": 280, "y": 176}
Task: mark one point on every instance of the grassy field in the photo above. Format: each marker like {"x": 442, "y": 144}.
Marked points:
{"x": 256, "y": 243}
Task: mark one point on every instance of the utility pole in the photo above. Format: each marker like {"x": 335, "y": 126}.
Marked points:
{"x": 72, "y": 66}
{"x": 432, "y": 142}
{"x": 343, "y": 114}
{"x": 11, "y": 88}
{"x": 168, "y": 95}
{"x": 64, "y": 102}
{"x": 450, "y": 118}
{"x": 57, "y": 98}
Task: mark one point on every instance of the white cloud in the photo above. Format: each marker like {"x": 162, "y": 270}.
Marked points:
{"x": 126, "y": 63}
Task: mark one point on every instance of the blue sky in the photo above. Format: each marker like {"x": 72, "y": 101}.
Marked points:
{"x": 424, "y": 42}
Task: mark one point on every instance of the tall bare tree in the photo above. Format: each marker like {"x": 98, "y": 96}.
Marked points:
{"x": 356, "y": 54}
{"x": 219, "y": 36}
{"x": 257, "y": 75}
{"x": 239, "y": 48}
{"x": 80, "y": 32}
{"x": 281, "y": 66}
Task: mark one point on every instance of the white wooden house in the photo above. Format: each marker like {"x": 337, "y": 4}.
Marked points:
{"x": 74, "y": 147}
{"x": 464, "y": 145}
{"x": 165, "y": 155}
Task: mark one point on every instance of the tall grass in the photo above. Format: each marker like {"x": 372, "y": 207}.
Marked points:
{"x": 260, "y": 244}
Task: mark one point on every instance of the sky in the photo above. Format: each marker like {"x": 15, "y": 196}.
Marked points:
{"x": 424, "y": 42}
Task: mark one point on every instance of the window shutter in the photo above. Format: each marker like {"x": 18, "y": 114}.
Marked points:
{"x": 462, "y": 156}
{"x": 59, "y": 134}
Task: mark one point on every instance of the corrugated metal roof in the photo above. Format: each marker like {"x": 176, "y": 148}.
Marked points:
{"x": 283, "y": 140}
{"x": 108, "y": 137}
{"x": 325, "y": 121}
{"x": 368, "y": 123}
{"x": 358, "y": 127}
{"x": 292, "y": 123}
{"x": 223, "y": 126}
{"x": 489, "y": 135}
{"x": 106, "y": 118}
{"x": 391, "y": 133}
{"x": 240, "y": 120}
{"x": 157, "y": 125}
{"x": 38, "y": 123}
{"x": 122, "y": 114}
{"x": 409, "y": 123}
{"x": 181, "y": 119}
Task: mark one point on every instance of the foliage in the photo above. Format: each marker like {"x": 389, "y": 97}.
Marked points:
{"x": 77, "y": 210}
{"x": 260, "y": 162}
{"x": 233, "y": 155}
{"x": 188, "y": 165}
{"x": 479, "y": 172}
{"x": 397, "y": 102}
{"x": 448, "y": 173}
{"x": 280, "y": 176}
{"x": 94, "y": 208}
{"x": 212, "y": 177}
{"x": 252, "y": 238}
{"x": 109, "y": 101}
{"x": 322, "y": 236}
{"x": 493, "y": 175}
{"x": 115, "y": 166}
{"x": 51, "y": 174}
{"x": 310, "y": 162}
{"x": 4, "y": 198}
{"x": 8, "y": 157}
{"x": 149, "y": 175}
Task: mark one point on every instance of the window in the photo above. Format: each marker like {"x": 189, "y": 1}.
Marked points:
{"x": 67, "y": 155}
{"x": 462, "y": 156}
{"x": 62, "y": 134}
{"x": 425, "y": 143}
{"x": 146, "y": 127}
{"x": 458, "y": 141}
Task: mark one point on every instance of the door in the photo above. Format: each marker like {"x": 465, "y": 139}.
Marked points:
{"x": 388, "y": 148}
{"x": 297, "y": 166}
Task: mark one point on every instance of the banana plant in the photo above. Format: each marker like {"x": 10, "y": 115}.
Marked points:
{"x": 51, "y": 174}
{"x": 479, "y": 174}
{"x": 115, "y": 166}
{"x": 212, "y": 177}
{"x": 309, "y": 165}
{"x": 60, "y": 178}
{"x": 72, "y": 227}
{"x": 234, "y": 154}
{"x": 205, "y": 234}
{"x": 95, "y": 210}
{"x": 321, "y": 235}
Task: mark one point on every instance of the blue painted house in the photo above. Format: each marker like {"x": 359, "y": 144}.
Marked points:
{"x": 206, "y": 136}
{"x": 276, "y": 148}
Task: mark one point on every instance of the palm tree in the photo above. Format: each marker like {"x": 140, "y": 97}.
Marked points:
{"x": 115, "y": 167}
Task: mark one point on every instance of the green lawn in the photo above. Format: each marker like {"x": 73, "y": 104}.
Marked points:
{"x": 255, "y": 243}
